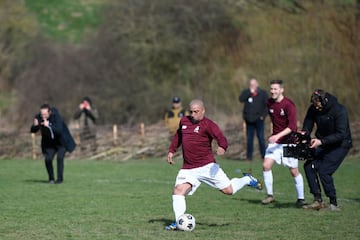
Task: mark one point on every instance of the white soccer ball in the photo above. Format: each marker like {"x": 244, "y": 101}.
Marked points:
{"x": 186, "y": 222}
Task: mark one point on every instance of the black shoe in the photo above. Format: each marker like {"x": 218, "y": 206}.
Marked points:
{"x": 59, "y": 182}
{"x": 300, "y": 203}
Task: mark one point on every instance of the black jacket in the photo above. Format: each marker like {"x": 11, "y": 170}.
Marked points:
{"x": 57, "y": 134}
{"x": 332, "y": 124}
{"x": 254, "y": 106}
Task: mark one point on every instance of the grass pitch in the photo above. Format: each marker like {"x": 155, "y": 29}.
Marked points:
{"x": 67, "y": 20}
{"x": 132, "y": 200}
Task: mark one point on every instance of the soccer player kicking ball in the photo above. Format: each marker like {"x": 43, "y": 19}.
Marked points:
{"x": 195, "y": 135}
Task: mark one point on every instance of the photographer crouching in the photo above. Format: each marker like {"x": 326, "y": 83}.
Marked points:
{"x": 331, "y": 143}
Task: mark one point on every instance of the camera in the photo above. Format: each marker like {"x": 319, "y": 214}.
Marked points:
{"x": 299, "y": 147}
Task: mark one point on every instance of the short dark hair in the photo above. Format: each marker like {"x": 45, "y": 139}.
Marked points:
{"x": 45, "y": 106}
{"x": 277, "y": 81}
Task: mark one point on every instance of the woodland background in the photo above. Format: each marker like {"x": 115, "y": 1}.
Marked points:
{"x": 132, "y": 56}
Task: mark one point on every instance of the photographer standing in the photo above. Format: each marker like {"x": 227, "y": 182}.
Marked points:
{"x": 332, "y": 143}
{"x": 87, "y": 115}
{"x": 55, "y": 139}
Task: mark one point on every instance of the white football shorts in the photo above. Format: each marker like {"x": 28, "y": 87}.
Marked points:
{"x": 211, "y": 174}
{"x": 275, "y": 151}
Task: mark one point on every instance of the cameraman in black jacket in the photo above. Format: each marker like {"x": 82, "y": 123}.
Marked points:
{"x": 332, "y": 143}
{"x": 55, "y": 139}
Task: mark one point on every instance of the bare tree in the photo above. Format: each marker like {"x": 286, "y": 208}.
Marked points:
{"x": 17, "y": 29}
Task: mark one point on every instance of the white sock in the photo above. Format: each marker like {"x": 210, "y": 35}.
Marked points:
{"x": 239, "y": 183}
{"x": 299, "y": 186}
{"x": 179, "y": 205}
{"x": 268, "y": 180}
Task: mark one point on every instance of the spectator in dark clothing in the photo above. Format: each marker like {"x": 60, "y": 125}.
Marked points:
{"x": 254, "y": 113}
{"x": 332, "y": 143}
{"x": 56, "y": 139}
{"x": 87, "y": 114}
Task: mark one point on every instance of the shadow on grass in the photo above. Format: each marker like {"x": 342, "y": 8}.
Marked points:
{"x": 36, "y": 181}
{"x": 275, "y": 204}
{"x": 284, "y": 205}
{"x": 166, "y": 222}
{"x": 163, "y": 220}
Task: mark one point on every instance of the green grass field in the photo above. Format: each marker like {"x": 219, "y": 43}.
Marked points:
{"x": 67, "y": 20}
{"x": 132, "y": 200}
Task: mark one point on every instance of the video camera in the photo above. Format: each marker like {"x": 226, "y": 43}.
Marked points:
{"x": 299, "y": 147}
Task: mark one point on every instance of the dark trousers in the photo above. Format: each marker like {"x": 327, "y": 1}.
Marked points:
{"x": 88, "y": 140}
{"x": 49, "y": 156}
{"x": 323, "y": 167}
{"x": 251, "y": 128}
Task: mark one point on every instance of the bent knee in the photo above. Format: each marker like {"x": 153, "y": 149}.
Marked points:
{"x": 267, "y": 164}
{"x": 228, "y": 190}
{"x": 182, "y": 189}
{"x": 294, "y": 172}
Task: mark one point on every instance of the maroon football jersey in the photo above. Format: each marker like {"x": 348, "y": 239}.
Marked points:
{"x": 196, "y": 140}
{"x": 283, "y": 115}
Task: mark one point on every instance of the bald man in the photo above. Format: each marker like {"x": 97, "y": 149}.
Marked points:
{"x": 195, "y": 135}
